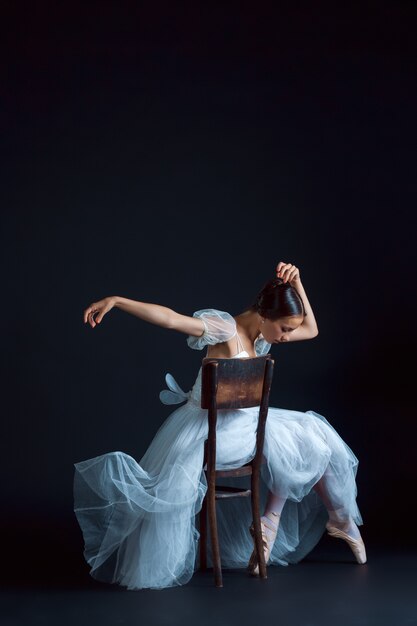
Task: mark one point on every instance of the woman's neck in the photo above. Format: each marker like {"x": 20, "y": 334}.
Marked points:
{"x": 250, "y": 321}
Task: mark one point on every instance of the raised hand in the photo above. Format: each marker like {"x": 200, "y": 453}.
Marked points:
{"x": 98, "y": 309}
{"x": 288, "y": 272}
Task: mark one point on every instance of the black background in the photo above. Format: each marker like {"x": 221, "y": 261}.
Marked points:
{"x": 174, "y": 153}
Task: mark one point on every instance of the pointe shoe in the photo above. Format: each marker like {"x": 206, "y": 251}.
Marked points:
{"x": 357, "y": 545}
{"x": 269, "y": 533}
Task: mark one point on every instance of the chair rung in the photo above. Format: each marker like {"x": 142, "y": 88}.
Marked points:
{"x": 231, "y": 492}
{"x": 245, "y": 470}
{"x": 230, "y": 489}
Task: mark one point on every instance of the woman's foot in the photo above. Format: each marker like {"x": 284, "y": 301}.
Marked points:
{"x": 349, "y": 532}
{"x": 269, "y": 527}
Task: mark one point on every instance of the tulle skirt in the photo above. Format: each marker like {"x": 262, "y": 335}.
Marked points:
{"x": 139, "y": 519}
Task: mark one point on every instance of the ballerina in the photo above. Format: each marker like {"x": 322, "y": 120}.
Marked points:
{"x": 138, "y": 519}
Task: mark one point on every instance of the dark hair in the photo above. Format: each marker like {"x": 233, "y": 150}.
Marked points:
{"x": 278, "y": 299}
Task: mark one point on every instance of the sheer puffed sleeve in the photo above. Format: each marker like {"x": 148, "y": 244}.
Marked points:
{"x": 262, "y": 346}
{"x": 219, "y": 326}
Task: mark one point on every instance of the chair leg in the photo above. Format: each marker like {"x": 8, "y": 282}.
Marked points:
{"x": 203, "y": 536}
{"x": 257, "y": 525}
{"x": 217, "y": 567}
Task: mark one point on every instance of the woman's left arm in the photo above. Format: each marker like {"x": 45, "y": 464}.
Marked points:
{"x": 308, "y": 329}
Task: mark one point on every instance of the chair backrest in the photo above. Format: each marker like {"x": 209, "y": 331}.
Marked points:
{"x": 236, "y": 384}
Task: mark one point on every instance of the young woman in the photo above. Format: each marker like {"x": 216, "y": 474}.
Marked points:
{"x": 138, "y": 519}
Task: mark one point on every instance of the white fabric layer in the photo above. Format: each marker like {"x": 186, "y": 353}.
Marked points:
{"x": 139, "y": 518}
{"x": 219, "y": 326}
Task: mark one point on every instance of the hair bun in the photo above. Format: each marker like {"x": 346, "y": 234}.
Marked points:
{"x": 273, "y": 303}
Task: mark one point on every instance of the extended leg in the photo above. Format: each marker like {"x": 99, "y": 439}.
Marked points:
{"x": 338, "y": 515}
{"x": 272, "y": 513}
{"x": 274, "y": 503}
{"x": 269, "y": 525}
{"x": 340, "y": 524}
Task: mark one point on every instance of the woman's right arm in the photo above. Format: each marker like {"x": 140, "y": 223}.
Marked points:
{"x": 152, "y": 313}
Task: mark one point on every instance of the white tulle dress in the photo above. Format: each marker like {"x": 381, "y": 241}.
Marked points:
{"x": 139, "y": 520}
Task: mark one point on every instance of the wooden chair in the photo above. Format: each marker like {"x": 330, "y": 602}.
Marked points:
{"x": 233, "y": 384}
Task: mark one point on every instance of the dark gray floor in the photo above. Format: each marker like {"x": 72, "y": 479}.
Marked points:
{"x": 327, "y": 588}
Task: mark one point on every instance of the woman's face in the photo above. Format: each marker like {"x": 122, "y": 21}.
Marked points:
{"x": 280, "y": 330}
